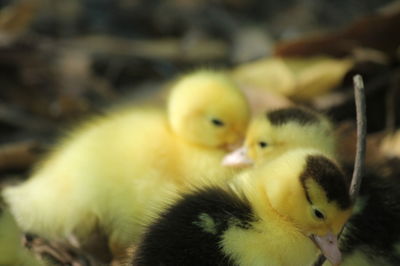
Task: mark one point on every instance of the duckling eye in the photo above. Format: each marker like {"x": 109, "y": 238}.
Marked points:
{"x": 217, "y": 122}
{"x": 262, "y": 144}
{"x": 319, "y": 214}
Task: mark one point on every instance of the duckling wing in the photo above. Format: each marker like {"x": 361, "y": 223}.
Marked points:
{"x": 190, "y": 232}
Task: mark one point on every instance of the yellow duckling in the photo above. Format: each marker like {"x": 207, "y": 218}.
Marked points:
{"x": 277, "y": 213}
{"x": 12, "y": 253}
{"x": 110, "y": 169}
{"x": 271, "y": 135}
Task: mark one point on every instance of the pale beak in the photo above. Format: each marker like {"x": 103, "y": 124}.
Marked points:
{"x": 328, "y": 245}
{"x": 237, "y": 158}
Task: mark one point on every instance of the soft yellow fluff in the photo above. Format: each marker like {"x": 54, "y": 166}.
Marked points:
{"x": 286, "y": 219}
{"x": 266, "y": 140}
{"x": 288, "y": 136}
{"x": 224, "y": 102}
{"x": 111, "y": 169}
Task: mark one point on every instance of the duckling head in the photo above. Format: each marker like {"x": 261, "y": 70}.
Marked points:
{"x": 276, "y": 132}
{"x": 208, "y": 109}
{"x": 310, "y": 191}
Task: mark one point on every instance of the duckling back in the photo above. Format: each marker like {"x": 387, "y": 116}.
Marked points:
{"x": 70, "y": 190}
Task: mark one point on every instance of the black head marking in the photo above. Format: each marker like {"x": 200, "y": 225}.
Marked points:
{"x": 329, "y": 177}
{"x": 295, "y": 114}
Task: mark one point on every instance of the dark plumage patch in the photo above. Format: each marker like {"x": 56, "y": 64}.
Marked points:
{"x": 374, "y": 228}
{"x": 190, "y": 231}
{"x": 329, "y": 177}
{"x": 295, "y": 114}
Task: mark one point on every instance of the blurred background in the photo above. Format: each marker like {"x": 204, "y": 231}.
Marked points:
{"x": 61, "y": 61}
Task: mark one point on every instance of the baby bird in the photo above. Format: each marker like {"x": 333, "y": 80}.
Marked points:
{"x": 277, "y": 213}
{"x": 271, "y": 135}
{"x": 12, "y": 252}
{"x": 108, "y": 171}
{"x": 372, "y": 234}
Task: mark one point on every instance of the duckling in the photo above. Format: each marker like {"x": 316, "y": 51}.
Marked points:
{"x": 277, "y": 213}
{"x": 108, "y": 171}
{"x": 11, "y": 250}
{"x": 372, "y": 234}
{"x": 276, "y": 132}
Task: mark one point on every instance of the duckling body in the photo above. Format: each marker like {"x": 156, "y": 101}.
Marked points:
{"x": 202, "y": 229}
{"x": 258, "y": 219}
{"x": 372, "y": 235}
{"x": 108, "y": 171}
{"x": 108, "y": 179}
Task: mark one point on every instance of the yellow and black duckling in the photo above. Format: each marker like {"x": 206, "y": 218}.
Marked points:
{"x": 276, "y": 132}
{"x": 108, "y": 171}
{"x": 274, "y": 214}
{"x": 12, "y": 252}
{"x": 372, "y": 234}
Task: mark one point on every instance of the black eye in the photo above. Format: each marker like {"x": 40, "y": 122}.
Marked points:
{"x": 217, "y": 122}
{"x": 319, "y": 214}
{"x": 262, "y": 144}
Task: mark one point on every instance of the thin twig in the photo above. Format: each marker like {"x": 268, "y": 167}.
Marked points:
{"x": 359, "y": 164}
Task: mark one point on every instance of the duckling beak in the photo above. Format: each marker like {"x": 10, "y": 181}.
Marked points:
{"x": 329, "y": 247}
{"x": 237, "y": 158}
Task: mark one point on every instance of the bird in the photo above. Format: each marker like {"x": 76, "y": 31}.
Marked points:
{"x": 107, "y": 171}
{"x": 273, "y": 133}
{"x": 12, "y": 251}
{"x": 372, "y": 235}
{"x": 280, "y": 212}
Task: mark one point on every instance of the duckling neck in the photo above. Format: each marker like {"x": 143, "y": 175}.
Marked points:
{"x": 201, "y": 165}
{"x": 271, "y": 239}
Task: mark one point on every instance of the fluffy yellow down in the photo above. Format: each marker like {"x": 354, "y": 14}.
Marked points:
{"x": 275, "y": 192}
{"x": 291, "y": 135}
{"x": 110, "y": 171}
